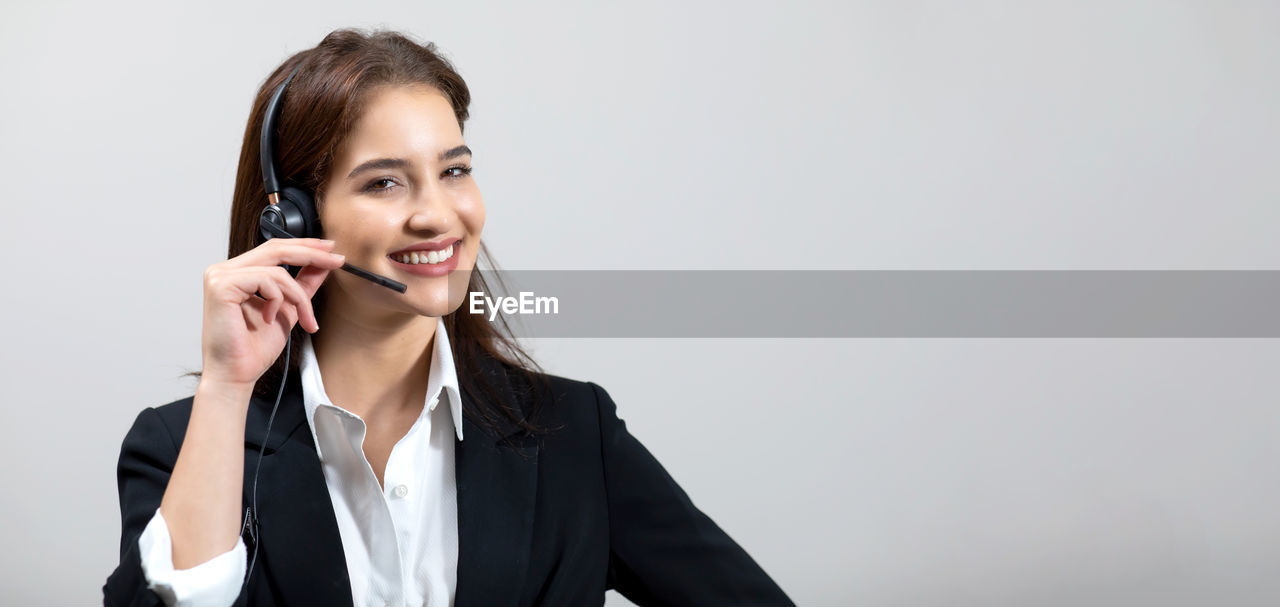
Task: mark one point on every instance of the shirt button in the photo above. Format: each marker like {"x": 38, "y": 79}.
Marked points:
{"x": 401, "y": 491}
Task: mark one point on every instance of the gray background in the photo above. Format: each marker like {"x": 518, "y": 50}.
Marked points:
{"x": 733, "y": 135}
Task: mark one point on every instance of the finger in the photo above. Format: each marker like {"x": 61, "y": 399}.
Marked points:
{"x": 270, "y": 291}
{"x": 318, "y": 243}
{"x": 298, "y": 297}
{"x": 288, "y": 253}
{"x": 310, "y": 278}
{"x": 278, "y": 289}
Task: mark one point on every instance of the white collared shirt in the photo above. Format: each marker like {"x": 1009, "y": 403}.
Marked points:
{"x": 400, "y": 539}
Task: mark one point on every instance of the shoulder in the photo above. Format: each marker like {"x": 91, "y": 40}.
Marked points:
{"x": 176, "y": 414}
{"x": 162, "y": 423}
{"x": 559, "y": 391}
{"x": 557, "y": 400}
{"x": 155, "y": 437}
{"x": 569, "y": 390}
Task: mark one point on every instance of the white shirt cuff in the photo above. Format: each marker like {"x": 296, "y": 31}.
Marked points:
{"x": 213, "y": 583}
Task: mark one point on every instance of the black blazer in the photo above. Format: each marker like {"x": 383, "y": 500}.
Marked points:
{"x": 586, "y": 509}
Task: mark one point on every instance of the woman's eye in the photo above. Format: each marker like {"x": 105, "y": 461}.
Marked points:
{"x": 463, "y": 171}
{"x": 372, "y": 187}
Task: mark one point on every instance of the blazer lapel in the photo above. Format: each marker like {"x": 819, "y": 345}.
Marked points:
{"x": 496, "y": 489}
{"x": 300, "y": 543}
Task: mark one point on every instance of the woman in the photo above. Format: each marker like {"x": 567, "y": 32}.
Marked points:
{"x": 523, "y": 489}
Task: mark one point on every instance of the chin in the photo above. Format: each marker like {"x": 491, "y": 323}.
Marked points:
{"x": 437, "y": 303}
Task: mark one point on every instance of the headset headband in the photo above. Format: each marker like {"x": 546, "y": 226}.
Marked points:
{"x": 267, "y": 140}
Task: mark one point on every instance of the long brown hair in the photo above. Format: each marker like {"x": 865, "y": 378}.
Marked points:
{"x": 324, "y": 100}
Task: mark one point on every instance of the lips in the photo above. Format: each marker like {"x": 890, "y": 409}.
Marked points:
{"x": 443, "y": 268}
{"x": 437, "y": 245}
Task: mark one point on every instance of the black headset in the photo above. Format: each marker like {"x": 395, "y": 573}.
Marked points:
{"x": 291, "y": 213}
{"x": 292, "y": 210}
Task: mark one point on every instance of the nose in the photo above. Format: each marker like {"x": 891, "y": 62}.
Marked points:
{"x": 432, "y": 210}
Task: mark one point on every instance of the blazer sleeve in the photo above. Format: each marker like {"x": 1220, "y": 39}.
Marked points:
{"x": 142, "y": 472}
{"x": 662, "y": 549}
{"x": 147, "y": 457}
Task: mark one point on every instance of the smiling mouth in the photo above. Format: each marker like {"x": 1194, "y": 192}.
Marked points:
{"x": 427, "y": 257}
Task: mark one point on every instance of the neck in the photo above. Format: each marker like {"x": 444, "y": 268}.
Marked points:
{"x": 375, "y": 368}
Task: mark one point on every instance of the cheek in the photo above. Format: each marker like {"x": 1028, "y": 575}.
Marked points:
{"x": 334, "y": 220}
{"x": 473, "y": 214}
{"x": 357, "y": 231}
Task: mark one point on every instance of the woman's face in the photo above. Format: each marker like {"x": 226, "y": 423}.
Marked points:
{"x": 401, "y": 179}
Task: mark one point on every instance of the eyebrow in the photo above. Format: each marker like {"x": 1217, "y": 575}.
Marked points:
{"x": 400, "y": 163}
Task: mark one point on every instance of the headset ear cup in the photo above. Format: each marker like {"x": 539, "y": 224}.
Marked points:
{"x": 303, "y": 220}
{"x": 296, "y": 215}
{"x": 305, "y": 204}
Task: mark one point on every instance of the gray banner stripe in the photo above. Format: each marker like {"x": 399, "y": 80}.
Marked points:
{"x": 886, "y": 303}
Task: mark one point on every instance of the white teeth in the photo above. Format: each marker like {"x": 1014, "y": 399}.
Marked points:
{"x": 431, "y": 257}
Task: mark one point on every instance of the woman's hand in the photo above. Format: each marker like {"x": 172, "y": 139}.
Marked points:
{"x": 244, "y": 332}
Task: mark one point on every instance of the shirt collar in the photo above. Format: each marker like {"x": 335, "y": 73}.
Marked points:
{"x": 442, "y": 380}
